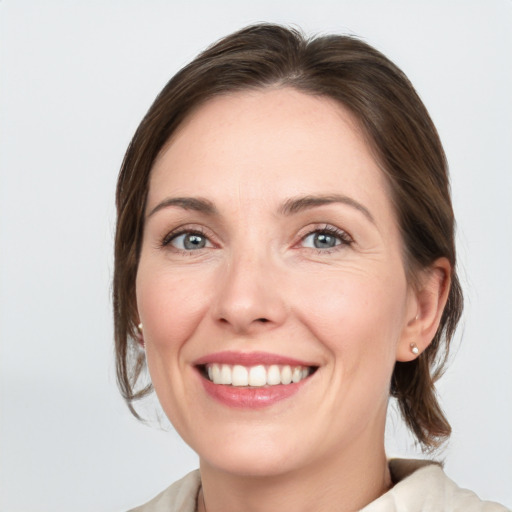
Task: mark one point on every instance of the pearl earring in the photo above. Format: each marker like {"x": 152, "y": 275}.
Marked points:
{"x": 140, "y": 336}
{"x": 414, "y": 349}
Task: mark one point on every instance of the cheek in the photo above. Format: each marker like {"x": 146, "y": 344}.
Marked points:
{"x": 358, "y": 317}
{"x": 170, "y": 307}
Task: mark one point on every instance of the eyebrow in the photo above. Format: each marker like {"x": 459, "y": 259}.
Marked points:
{"x": 299, "y": 204}
{"x": 289, "y": 207}
{"x": 196, "y": 204}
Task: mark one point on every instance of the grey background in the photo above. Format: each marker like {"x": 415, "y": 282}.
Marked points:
{"x": 75, "y": 80}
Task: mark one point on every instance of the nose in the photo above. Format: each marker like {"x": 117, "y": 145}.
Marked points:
{"x": 250, "y": 295}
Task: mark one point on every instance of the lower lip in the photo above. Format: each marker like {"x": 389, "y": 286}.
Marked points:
{"x": 250, "y": 397}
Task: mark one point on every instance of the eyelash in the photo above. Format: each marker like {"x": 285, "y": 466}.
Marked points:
{"x": 344, "y": 238}
{"x": 173, "y": 235}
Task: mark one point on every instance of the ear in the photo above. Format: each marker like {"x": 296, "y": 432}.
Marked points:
{"x": 425, "y": 308}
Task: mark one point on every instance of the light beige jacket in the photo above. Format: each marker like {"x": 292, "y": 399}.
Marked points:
{"x": 420, "y": 486}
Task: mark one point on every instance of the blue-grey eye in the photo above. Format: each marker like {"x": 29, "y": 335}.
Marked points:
{"x": 321, "y": 240}
{"x": 189, "y": 241}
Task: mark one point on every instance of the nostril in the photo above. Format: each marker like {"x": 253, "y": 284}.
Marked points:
{"x": 241, "y": 325}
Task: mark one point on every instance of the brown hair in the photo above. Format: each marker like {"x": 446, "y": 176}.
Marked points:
{"x": 399, "y": 131}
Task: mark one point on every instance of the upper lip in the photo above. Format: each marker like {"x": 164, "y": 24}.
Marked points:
{"x": 249, "y": 359}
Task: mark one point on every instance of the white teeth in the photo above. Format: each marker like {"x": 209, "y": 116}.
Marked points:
{"x": 286, "y": 375}
{"x": 225, "y": 374}
{"x": 256, "y": 376}
{"x": 216, "y": 374}
{"x": 239, "y": 376}
{"x": 273, "y": 375}
{"x": 296, "y": 374}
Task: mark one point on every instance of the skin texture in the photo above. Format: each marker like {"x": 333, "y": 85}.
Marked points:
{"x": 260, "y": 284}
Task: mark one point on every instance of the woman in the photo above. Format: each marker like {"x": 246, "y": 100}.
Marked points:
{"x": 285, "y": 262}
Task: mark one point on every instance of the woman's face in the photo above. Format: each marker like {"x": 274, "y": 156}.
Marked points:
{"x": 271, "y": 253}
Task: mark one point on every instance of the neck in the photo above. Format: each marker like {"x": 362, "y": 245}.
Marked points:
{"x": 345, "y": 482}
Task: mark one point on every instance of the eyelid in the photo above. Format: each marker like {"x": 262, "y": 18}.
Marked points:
{"x": 181, "y": 239}
{"x": 342, "y": 235}
{"x": 184, "y": 229}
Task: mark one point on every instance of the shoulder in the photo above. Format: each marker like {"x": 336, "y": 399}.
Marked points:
{"x": 422, "y": 486}
{"x": 181, "y": 496}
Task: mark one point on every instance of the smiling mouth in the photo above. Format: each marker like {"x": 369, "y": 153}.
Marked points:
{"x": 255, "y": 376}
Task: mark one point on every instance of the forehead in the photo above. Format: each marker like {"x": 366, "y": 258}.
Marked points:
{"x": 268, "y": 144}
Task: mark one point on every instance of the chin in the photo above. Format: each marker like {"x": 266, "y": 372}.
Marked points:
{"x": 250, "y": 463}
{"x": 252, "y": 454}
